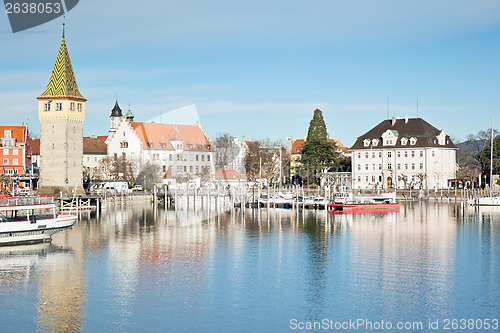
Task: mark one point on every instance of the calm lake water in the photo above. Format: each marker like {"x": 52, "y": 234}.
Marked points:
{"x": 427, "y": 268}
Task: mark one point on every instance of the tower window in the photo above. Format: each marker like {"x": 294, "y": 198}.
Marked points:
{"x": 46, "y": 106}
{"x": 72, "y": 106}
{"x": 79, "y": 107}
{"x": 53, "y": 128}
{"x": 58, "y": 106}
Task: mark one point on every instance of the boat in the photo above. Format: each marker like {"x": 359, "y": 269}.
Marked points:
{"x": 30, "y": 219}
{"x": 366, "y": 202}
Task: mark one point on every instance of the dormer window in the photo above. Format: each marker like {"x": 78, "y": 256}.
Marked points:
{"x": 404, "y": 141}
{"x": 163, "y": 145}
{"x": 375, "y": 142}
{"x": 199, "y": 146}
{"x": 190, "y": 146}
{"x": 413, "y": 141}
{"x": 208, "y": 147}
{"x": 366, "y": 142}
{"x": 151, "y": 145}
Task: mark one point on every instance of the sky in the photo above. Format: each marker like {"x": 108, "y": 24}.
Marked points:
{"x": 259, "y": 69}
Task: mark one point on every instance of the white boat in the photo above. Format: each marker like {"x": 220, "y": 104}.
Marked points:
{"x": 32, "y": 219}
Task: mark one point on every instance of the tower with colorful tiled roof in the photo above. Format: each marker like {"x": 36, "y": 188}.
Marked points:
{"x": 61, "y": 111}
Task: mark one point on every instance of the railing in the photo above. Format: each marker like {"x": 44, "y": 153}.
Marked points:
{"x": 26, "y": 201}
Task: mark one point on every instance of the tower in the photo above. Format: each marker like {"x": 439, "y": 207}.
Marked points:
{"x": 61, "y": 111}
{"x": 114, "y": 119}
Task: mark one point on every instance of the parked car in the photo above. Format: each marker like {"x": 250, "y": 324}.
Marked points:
{"x": 23, "y": 191}
{"x": 137, "y": 188}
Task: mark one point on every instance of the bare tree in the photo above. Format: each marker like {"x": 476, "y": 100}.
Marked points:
{"x": 226, "y": 151}
{"x": 149, "y": 175}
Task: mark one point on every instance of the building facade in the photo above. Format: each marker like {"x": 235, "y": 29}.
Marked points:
{"x": 61, "y": 111}
{"x": 15, "y": 151}
{"x": 403, "y": 153}
{"x": 296, "y": 152}
{"x": 179, "y": 150}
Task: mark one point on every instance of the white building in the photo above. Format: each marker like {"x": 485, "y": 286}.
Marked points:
{"x": 180, "y": 150}
{"x": 403, "y": 153}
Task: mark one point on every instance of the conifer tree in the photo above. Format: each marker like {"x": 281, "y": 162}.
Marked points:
{"x": 317, "y": 127}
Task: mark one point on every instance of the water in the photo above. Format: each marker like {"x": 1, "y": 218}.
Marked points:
{"x": 138, "y": 269}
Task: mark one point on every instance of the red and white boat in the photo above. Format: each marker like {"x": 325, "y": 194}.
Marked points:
{"x": 365, "y": 202}
{"x": 30, "y": 219}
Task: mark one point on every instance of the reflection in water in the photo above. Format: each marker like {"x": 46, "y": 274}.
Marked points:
{"x": 135, "y": 268}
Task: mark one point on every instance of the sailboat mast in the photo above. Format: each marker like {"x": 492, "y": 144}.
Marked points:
{"x": 491, "y": 160}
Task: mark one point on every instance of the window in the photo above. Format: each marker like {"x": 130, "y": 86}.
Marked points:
{"x": 399, "y": 166}
{"x": 170, "y": 157}
{"x": 399, "y": 154}
{"x": 95, "y": 159}
{"x": 406, "y": 153}
{"x": 151, "y": 144}
{"x": 373, "y": 154}
{"x": 163, "y": 145}
{"x": 373, "y": 179}
{"x": 72, "y": 106}
{"x": 413, "y": 166}
{"x": 359, "y": 166}
{"x": 5, "y": 161}
{"x": 197, "y": 157}
{"x": 88, "y": 159}
{"x": 164, "y": 168}
{"x": 46, "y": 107}
{"x": 53, "y": 145}
{"x": 156, "y": 157}
{"x": 366, "y": 154}
{"x": 208, "y": 158}
{"x": 359, "y": 155}
{"x": 366, "y": 178}
{"x": 380, "y": 154}
{"x": 208, "y": 147}
{"x": 421, "y": 153}
{"x": 389, "y": 154}
{"x": 6, "y": 152}
{"x": 7, "y": 134}
{"x": 366, "y": 166}
{"x": 406, "y": 166}
{"x": 124, "y": 155}
{"x": 53, "y": 128}
{"x": 124, "y": 144}
{"x": 190, "y": 146}
{"x": 202, "y": 157}
{"x": 197, "y": 169}
{"x": 380, "y": 166}
{"x": 373, "y": 166}
{"x": 191, "y": 168}
{"x": 15, "y": 152}
{"x": 433, "y": 154}
{"x": 359, "y": 178}
{"x": 185, "y": 168}
{"x": 79, "y": 107}
{"x": 389, "y": 166}
{"x": 58, "y": 106}
{"x": 412, "y": 153}
{"x": 200, "y": 147}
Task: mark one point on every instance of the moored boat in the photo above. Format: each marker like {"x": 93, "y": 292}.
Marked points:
{"x": 30, "y": 219}
{"x": 369, "y": 202}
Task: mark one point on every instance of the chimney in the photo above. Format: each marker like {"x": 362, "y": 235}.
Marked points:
{"x": 406, "y": 119}
{"x": 393, "y": 121}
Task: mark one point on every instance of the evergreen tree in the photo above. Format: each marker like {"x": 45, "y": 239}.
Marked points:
{"x": 318, "y": 154}
{"x": 317, "y": 127}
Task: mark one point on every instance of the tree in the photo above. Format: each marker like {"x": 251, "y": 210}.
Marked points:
{"x": 317, "y": 127}
{"x": 114, "y": 168}
{"x": 226, "y": 151}
{"x": 318, "y": 154}
{"x": 264, "y": 156}
{"x": 149, "y": 175}
{"x": 485, "y": 157}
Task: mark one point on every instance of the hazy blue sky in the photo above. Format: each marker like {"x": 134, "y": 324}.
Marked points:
{"x": 260, "y": 68}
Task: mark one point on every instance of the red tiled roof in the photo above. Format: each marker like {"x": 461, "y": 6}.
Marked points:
{"x": 160, "y": 135}
{"x": 17, "y": 132}
{"x": 229, "y": 174}
{"x": 102, "y": 137}
{"x": 299, "y": 144}
{"x": 94, "y": 146}
{"x": 90, "y": 146}
{"x": 35, "y": 146}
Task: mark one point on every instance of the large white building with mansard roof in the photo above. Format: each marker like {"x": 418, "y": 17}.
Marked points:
{"x": 403, "y": 153}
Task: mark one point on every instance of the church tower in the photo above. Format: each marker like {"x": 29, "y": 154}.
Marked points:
{"x": 114, "y": 119}
{"x": 61, "y": 111}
